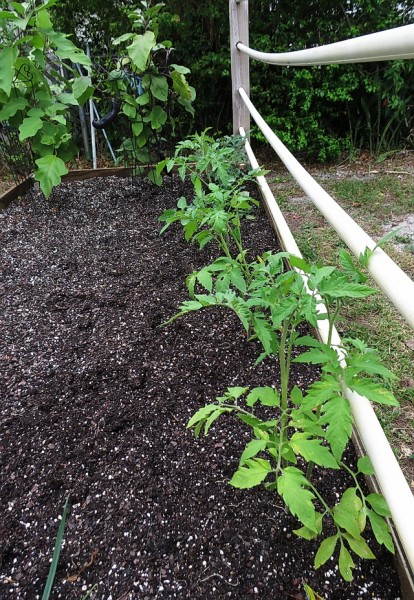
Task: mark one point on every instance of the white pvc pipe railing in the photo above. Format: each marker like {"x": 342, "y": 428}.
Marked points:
{"x": 392, "y": 44}
{"x": 392, "y": 280}
{"x": 390, "y": 478}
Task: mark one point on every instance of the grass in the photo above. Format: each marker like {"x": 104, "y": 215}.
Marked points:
{"x": 374, "y": 200}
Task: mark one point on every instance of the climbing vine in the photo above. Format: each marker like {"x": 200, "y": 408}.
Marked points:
{"x": 38, "y": 86}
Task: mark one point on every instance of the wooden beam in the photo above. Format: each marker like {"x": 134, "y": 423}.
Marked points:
{"x": 240, "y": 77}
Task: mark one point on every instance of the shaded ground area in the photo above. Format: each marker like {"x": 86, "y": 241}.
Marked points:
{"x": 95, "y": 399}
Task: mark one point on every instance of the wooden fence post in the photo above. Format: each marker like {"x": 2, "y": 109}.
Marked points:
{"x": 239, "y": 32}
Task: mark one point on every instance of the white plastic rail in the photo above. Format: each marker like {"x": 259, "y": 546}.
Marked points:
{"x": 397, "y": 43}
{"x": 392, "y": 280}
{"x": 390, "y": 478}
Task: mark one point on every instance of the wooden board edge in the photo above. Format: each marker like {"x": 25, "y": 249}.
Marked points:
{"x": 14, "y": 192}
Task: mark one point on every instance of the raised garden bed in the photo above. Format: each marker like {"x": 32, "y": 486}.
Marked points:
{"x": 95, "y": 401}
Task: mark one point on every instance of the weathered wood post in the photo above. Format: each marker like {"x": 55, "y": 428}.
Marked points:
{"x": 240, "y": 77}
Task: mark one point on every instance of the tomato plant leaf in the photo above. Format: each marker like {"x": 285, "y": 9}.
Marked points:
{"x": 292, "y": 486}
{"x": 371, "y": 390}
{"x": 379, "y": 504}
{"x": 252, "y": 448}
{"x": 346, "y": 564}
{"x": 252, "y": 473}
{"x": 381, "y": 530}
{"x": 325, "y": 551}
{"x": 313, "y": 451}
{"x": 359, "y": 546}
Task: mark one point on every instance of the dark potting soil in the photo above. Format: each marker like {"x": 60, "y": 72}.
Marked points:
{"x": 95, "y": 398}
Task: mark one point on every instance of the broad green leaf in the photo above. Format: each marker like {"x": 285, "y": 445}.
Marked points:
{"x": 137, "y": 128}
{"x": 292, "y": 486}
{"x": 252, "y": 473}
{"x": 267, "y": 396}
{"x": 252, "y": 448}
{"x": 379, "y": 504}
{"x": 50, "y": 170}
{"x": 381, "y": 530}
{"x": 313, "y": 451}
{"x": 12, "y": 107}
{"x": 65, "y": 49}
{"x": 122, "y": 38}
{"x": 82, "y": 89}
{"x": 364, "y": 465}
{"x": 359, "y": 546}
{"x": 337, "y": 415}
{"x": 36, "y": 112}
{"x": 140, "y": 48}
{"x": 29, "y": 127}
{"x": 129, "y": 111}
{"x": 159, "y": 87}
{"x": 371, "y": 390}
{"x": 346, "y": 564}
{"x": 180, "y": 69}
{"x": 43, "y": 20}
{"x": 181, "y": 86}
{"x": 67, "y": 99}
{"x": 296, "y": 395}
{"x": 325, "y": 551}
{"x": 8, "y": 57}
{"x": 158, "y": 117}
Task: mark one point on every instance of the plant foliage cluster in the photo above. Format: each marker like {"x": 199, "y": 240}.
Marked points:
{"x": 317, "y": 111}
{"x": 293, "y": 430}
{"x": 44, "y": 76}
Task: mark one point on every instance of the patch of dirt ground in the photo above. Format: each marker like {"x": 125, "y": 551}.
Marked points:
{"x": 95, "y": 398}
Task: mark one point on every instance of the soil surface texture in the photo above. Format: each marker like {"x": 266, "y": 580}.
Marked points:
{"x": 95, "y": 398}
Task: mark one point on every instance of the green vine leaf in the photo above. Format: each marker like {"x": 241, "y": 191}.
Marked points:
{"x": 50, "y": 170}
{"x": 82, "y": 89}
{"x": 8, "y": 57}
{"x": 140, "y": 48}
{"x": 29, "y": 127}
{"x": 12, "y": 107}
{"x": 159, "y": 87}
